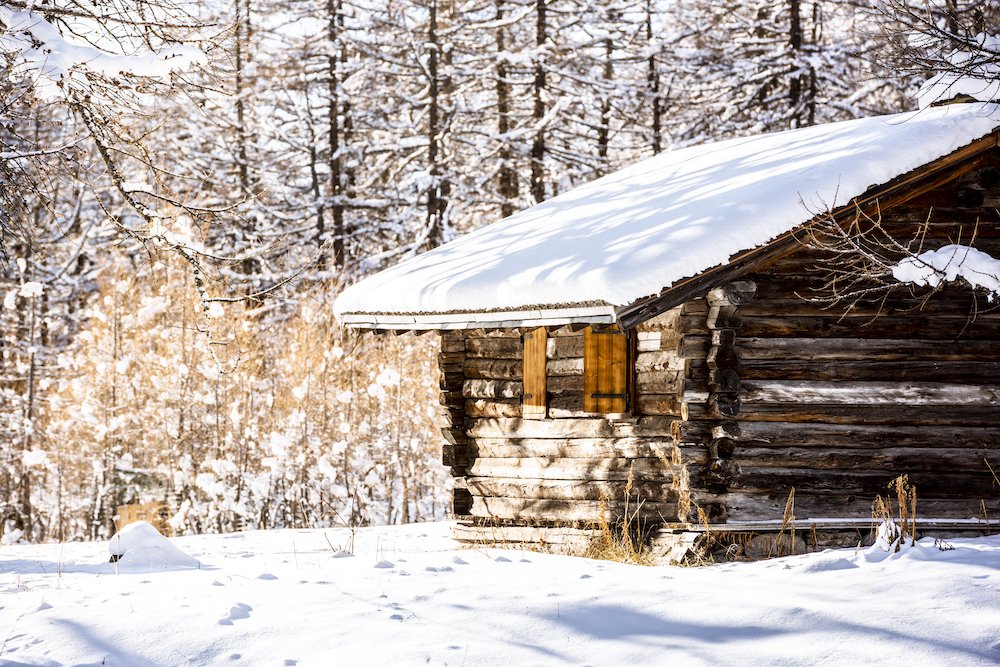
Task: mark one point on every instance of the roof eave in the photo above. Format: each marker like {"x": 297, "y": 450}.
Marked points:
{"x": 505, "y": 319}
{"x": 878, "y": 198}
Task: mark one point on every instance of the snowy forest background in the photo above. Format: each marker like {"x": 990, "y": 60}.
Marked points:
{"x": 173, "y": 240}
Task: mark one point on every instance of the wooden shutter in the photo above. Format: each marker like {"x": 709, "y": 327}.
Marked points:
{"x": 533, "y": 397}
{"x": 606, "y": 371}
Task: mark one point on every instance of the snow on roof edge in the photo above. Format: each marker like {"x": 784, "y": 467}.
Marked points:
{"x": 637, "y": 200}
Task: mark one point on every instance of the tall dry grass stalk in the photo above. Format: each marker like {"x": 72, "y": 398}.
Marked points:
{"x": 624, "y": 539}
{"x": 901, "y": 518}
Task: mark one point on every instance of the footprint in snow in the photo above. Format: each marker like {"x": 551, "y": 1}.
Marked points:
{"x": 267, "y": 577}
{"x": 585, "y": 576}
{"x": 238, "y": 611}
{"x": 502, "y": 559}
{"x": 443, "y": 568}
{"x": 384, "y": 565}
{"x": 217, "y": 583}
{"x": 457, "y": 560}
{"x": 44, "y": 606}
{"x": 396, "y": 617}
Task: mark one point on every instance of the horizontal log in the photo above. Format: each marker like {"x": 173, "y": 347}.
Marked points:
{"x": 659, "y": 404}
{"x": 724, "y": 317}
{"x": 492, "y": 389}
{"x": 493, "y": 369}
{"x": 564, "y": 489}
{"x": 665, "y": 360}
{"x": 694, "y": 346}
{"x": 584, "y": 448}
{"x": 659, "y": 382}
{"x": 569, "y": 366}
{"x": 866, "y": 483}
{"x": 853, "y": 348}
{"x": 897, "y": 459}
{"x": 491, "y": 534}
{"x": 573, "y": 468}
{"x": 565, "y": 384}
{"x": 494, "y": 348}
{"x": 867, "y": 393}
{"x": 453, "y": 343}
{"x": 752, "y": 507}
{"x": 483, "y": 407}
{"x": 568, "y": 406}
{"x": 597, "y": 427}
{"x": 564, "y": 346}
{"x": 912, "y": 326}
{"x": 966, "y": 372}
{"x": 569, "y": 510}
{"x": 906, "y": 415}
{"x": 863, "y": 435}
{"x": 902, "y": 305}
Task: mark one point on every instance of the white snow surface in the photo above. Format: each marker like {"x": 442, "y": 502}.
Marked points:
{"x": 140, "y": 546}
{"x": 977, "y": 76}
{"x": 408, "y": 596}
{"x": 630, "y": 234}
{"x": 949, "y": 263}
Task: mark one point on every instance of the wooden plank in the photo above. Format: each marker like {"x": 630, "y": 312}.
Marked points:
{"x": 493, "y": 348}
{"x": 852, "y": 348}
{"x": 664, "y": 360}
{"x": 563, "y": 367}
{"x": 659, "y": 404}
{"x": 491, "y": 534}
{"x": 493, "y": 369}
{"x": 562, "y": 347}
{"x": 966, "y": 372}
{"x": 867, "y": 393}
{"x": 568, "y": 510}
{"x": 659, "y": 382}
{"x": 913, "y": 326}
{"x": 614, "y": 468}
{"x": 534, "y": 398}
{"x": 565, "y": 489}
{"x": 782, "y": 434}
{"x": 940, "y": 484}
{"x": 491, "y": 389}
{"x": 906, "y": 415}
{"x": 484, "y": 407}
{"x": 898, "y": 459}
{"x": 584, "y": 448}
{"x": 605, "y": 375}
{"x": 596, "y": 427}
{"x": 750, "y": 506}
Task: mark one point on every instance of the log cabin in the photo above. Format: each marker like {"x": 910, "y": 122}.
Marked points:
{"x": 712, "y": 342}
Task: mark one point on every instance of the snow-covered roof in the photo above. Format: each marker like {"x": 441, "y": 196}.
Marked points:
{"x": 582, "y": 256}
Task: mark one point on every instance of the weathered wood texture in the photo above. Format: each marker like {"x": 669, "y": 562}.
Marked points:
{"x": 575, "y": 460}
{"x": 837, "y": 402}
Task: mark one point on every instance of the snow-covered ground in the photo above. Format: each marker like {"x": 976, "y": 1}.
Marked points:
{"x": 409, "y": 596}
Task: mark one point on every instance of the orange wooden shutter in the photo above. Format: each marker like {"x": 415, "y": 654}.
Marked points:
{"x": 533, "y": 397}
{"x": 605, "y": 371}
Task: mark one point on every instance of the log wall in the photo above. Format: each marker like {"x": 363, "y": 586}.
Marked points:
{"x": 836, "y": 402}
{"x": 566, "y": 469}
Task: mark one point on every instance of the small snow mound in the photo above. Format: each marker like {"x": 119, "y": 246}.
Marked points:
{"x": 267, "y": 576}
{"x": 384, "y": 565}
{"x": 140, "y": 545}
{"x": 343, "y": 554}
{"x": 829, "y": 565}
{"x": 889, "y": 542}
{"x": 975, "y": 76}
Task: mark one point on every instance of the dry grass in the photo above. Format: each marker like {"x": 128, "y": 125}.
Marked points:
{"x": 623, "y": 541}
{"x": 901, "y": 517}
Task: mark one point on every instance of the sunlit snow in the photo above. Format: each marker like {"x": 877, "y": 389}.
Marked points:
{"x": 406, "y": 595}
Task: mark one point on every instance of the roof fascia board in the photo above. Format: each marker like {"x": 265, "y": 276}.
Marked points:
{"x": 882, "y": 197}
{"x": 511, "y": 319}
